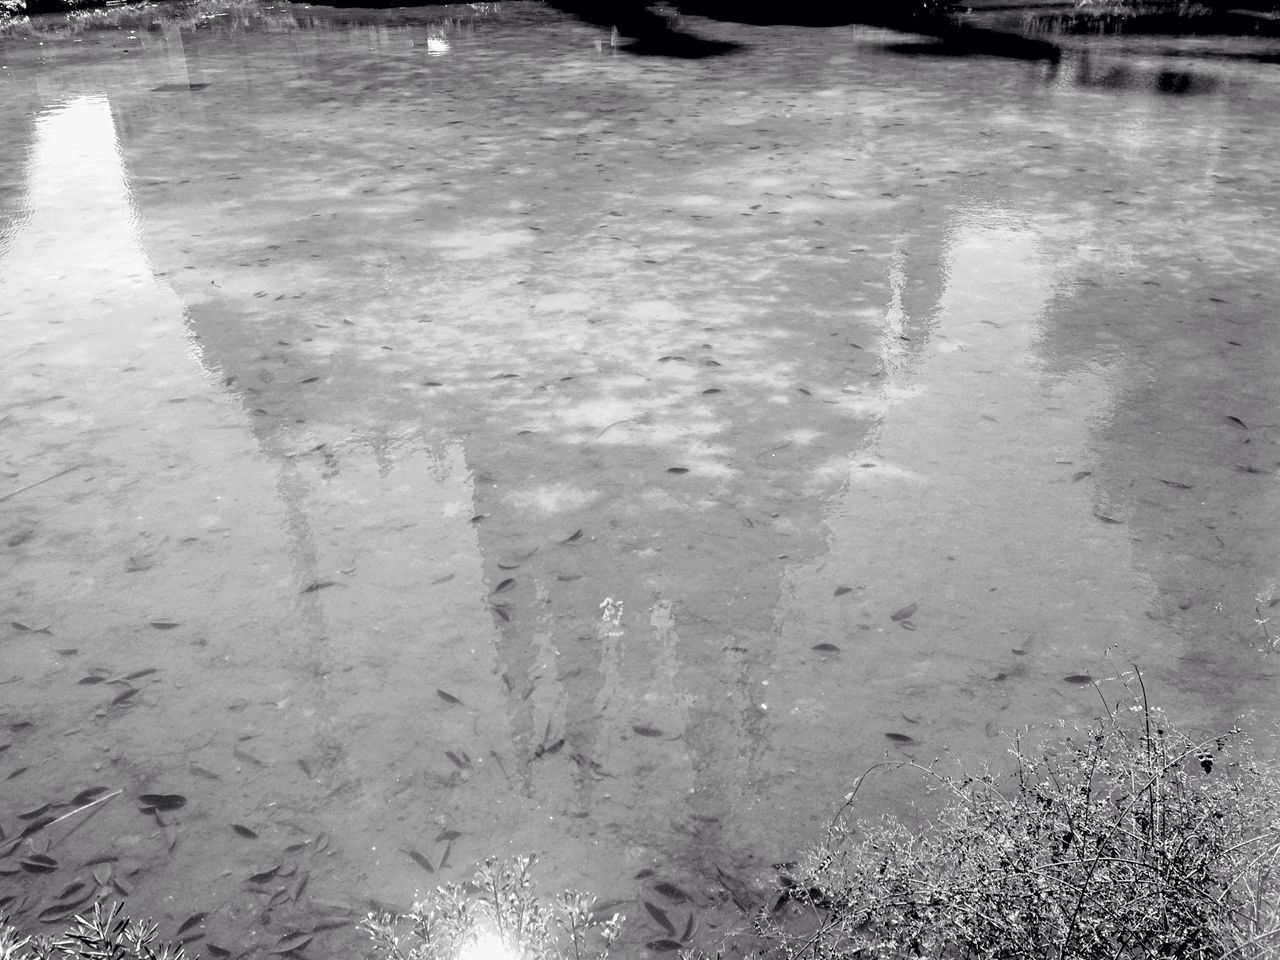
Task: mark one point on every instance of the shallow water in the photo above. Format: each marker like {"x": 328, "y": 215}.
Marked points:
{"x": 476, "y": 428}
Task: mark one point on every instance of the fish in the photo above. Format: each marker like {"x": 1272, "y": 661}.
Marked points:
{"x": 645, "y": 731}
{"x": 149, "y": 802}
{"x": 664, "y": 945}
{"x": 671, "y": 891}
{"x": 446, "y": 696}
{"x": 904, "y": 613}
{"x": 419, "y": 859}
{"x": 660, "y": 917}
{"x": 244, "y": 831}
{"x": 900, "y": 738}
{"x": 841, "y": 591}
{"x": 191, "y": 921}
{"x": 262, "y": 876}
{"x": 505, "y": 585}
{"x": 292, "y": 942}
{"x": 826, "y": 648}
{"x": 1078, "y": 678}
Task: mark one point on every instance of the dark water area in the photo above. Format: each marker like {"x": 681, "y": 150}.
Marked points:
{"x": 440, "y": 421}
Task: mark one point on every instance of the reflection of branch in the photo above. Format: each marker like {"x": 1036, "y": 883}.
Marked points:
{"x": 52, "y": 476}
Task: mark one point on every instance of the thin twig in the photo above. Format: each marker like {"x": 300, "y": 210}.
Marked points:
{"x": 52, "y": 476}
{"x": 80, "y": 809}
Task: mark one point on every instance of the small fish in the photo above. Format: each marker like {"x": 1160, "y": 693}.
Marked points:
{"x": 1078, "y": 678}
{"x": 573, "y": 537}
{"x": 457, "y": 761}
{"x": 505, "y": 585}
{"x": 1106, "y": 519}
{"x": 102, "y": 873}
{"x": 689, "y": 928}
{"x": 671, "y": 891}
{"x": 826, "y": 648}
{"x": 292, "y": 942}
{"x": 202, "y": 772}
{"x": 677, "y": 470}
{"x": 841, "y": 591}
{"x": 501, "y": 610}
{"x": 317, "y": 585}
{"x": 32, "y": 814}
{"x": 246, "y": 757}
{"x": 216, "y": 951}
{"x": 262, "y": 876}
{"x": 445, "y": 579}
{"x": 545, "y": 749}
{"x": 448, "y": 835}
{"x": 305, "y": 765}
{"x": 92, "y": 678}
{"x": 1080, "y": 475}
{"x": 712, "y": 390}
{"x": 444, "y": 857}
{"x": 191, "y": 921}
{"x": 139, "y": 674}
{"x": 900, "y": 738}
{"x": 660, "y": 916}
{"x": 645, "y": 731}
{"x": 904, "y": 613}
{"x": 28, "y": 628}
{"x": 244, "y": 831}
{"x": 1236, "y": 421}
{"x": 149, "y": 802}
{"x": 165, "y": 624}
{"x": 71, "y": 889}
{"x": 128, "y": 693}
{"x": 446, "y": 696}
{"x": 1176, "y": 484}
{"x": 664, "y": 945}
{"x": 419, "y": 859}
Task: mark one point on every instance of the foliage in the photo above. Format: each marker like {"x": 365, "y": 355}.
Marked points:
{"x": 498, "y": 909}
{"x": 104, "y": 935}
{"x": 1122, "y": 841}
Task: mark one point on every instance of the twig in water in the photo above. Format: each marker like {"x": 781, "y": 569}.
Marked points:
{"x": 52, "y": 476}
{"x": 80, "y": 809}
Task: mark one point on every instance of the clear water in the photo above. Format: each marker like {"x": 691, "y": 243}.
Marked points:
{"x": 476, "y": 429}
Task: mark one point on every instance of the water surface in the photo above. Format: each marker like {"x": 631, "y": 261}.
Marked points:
{"x": 477, "y": 429}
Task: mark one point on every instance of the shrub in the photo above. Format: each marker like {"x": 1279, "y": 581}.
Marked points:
{"x": 104, "y": 935}
{"x": 1122, "y": 841}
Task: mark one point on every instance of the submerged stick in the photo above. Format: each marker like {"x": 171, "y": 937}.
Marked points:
{"x": 80, "y": 809}
{"x": 36, "y": 483}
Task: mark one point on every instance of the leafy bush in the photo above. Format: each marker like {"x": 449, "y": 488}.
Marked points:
{"x": 1123, "y": 841}
{"x": 105, "y": 935}
{"x": 495, "y": 915}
